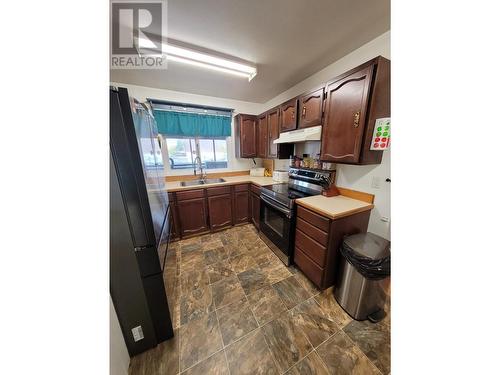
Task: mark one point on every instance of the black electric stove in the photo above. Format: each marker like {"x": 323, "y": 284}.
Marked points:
{"x": 277, "y": 209}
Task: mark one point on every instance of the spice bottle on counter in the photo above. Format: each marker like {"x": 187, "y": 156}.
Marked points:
{"x": 317, "y": 162}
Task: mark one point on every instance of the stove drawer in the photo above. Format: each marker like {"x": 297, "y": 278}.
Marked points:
{"x": 313, "y": 249}
{"x": 308, "y": 267}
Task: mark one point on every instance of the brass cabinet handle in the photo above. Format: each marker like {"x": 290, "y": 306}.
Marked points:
{"x": 304, "y": 111}
{"x": 356, "y": 119}
{"x": 293, "y": 115}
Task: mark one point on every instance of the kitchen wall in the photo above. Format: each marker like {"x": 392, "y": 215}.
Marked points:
{"x": 141, "y": 93}
{"x": 363, "y": 178}
{"x": 118, "y": 354}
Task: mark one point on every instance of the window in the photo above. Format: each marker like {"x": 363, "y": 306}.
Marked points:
{"x": 182, "y": 152}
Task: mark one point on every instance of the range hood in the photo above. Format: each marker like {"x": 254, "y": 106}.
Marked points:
{"x": 301, "y": 135}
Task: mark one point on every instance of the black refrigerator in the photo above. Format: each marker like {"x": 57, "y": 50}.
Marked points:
{"x": 139, "y": 224}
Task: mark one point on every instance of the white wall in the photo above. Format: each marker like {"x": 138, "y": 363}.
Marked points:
{"x": 118, "y": 354}
{"x": 141, "y": 93}
{"x": 351, "y": 176}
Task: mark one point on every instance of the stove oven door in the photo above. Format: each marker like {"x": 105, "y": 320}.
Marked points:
{"x": 276, "y": 223}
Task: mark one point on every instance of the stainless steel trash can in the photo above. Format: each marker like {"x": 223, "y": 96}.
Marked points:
{"x": 364, "y": 264}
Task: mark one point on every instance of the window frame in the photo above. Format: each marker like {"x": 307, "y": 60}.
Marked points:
{"x": 197, "y": 152}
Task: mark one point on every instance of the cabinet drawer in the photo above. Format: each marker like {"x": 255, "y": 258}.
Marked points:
{"x": 308, "y": 267}
{"x": 218, "y": 190}
{"x": 255, "y": 189}
{"x": 314, "y": 219}
{"x": 242, "y": 187}
{"x": 312, "y": 248}
{"x": 312, "y": 231}
{"x": 191, "y": 194}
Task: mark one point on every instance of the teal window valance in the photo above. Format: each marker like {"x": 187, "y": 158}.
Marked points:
{"x": 178, "y": 124}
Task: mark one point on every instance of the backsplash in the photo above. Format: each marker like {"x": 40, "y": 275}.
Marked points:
{"x": 281, "y": 164}
{"x": 310, "y": 147}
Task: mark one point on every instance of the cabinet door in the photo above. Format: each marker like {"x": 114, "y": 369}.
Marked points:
{"x": 174, "y": 224}
{"x": 274, "y": 132}
{"x": 255, "y": 208}
{"x": 175, "y": 227}
{"x": 220, "y": 211}
{"x": 262, "y": 137}
{"x": 311, "y": 108}
{"x": 288, "y": 118}
{"x": 241, "y": 205}
{"x": 345, "y": 114}
{"x": 192, "y": 215}
{"x": 248, "y": 140}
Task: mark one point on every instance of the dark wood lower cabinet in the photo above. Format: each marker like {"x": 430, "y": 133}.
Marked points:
{"x": 174, "y": 221}
{"x": 220, "y": 211}
{"x": 255, "y": 209}
{"x": 197, "y": 211}
{"x": 192, "y": 216}
{"x": 241, "y": 204}
{"x": 318, "y": 240}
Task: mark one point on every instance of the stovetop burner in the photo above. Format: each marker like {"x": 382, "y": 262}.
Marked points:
{"x": 285, "y": 190}
{"x": 283, "y": 193}
{"x": 302, "y": 183}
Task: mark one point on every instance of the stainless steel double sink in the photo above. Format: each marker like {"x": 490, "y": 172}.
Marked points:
{"x": 202, "y": 182}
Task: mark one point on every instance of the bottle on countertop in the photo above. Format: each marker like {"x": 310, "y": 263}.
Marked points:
{"x": 317, "y": 162}
{"x": 303, "y": 163}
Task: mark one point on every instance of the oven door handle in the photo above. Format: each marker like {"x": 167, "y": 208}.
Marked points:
{"x": 288, "y": 213}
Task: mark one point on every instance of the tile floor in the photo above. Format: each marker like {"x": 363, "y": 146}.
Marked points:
{"x": 238, "y": 310}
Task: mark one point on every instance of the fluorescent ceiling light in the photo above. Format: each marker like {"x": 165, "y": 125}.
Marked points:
{"x": 191, "y": 57}
{"x": 208, "y": 66}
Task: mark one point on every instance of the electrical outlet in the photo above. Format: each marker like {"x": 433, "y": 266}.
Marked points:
{"x": 385, "y": 219}
{"x": 137, "y": 333}
{"x": 376, "y": 182}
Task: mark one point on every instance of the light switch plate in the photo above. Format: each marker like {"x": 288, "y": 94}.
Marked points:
{"x": 376, "y": 182}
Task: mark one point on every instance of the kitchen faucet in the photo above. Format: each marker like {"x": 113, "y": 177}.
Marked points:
{"x": 197, "y": 163}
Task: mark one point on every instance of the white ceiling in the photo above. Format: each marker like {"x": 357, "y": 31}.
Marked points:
{"x": 288, "y": 40}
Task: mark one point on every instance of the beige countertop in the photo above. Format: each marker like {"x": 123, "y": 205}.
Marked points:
{"x": 334, "y": 207}
{"x": 232, "y": 180}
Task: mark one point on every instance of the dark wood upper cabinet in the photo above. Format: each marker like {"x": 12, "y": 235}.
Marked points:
{"x": 262, "y": 138}
{"x": 281, "y": 150}
{"x": 274, "y": 132}
{"x": 192, "y": 215}
{"x": 245, "y": 136}
{"x": 288, "y": 115}
{"x": 311, "y": 108}
{"x": 354, "y": 101}
{"x": 220, "y": 211}
{"x": 241, "y": 204}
